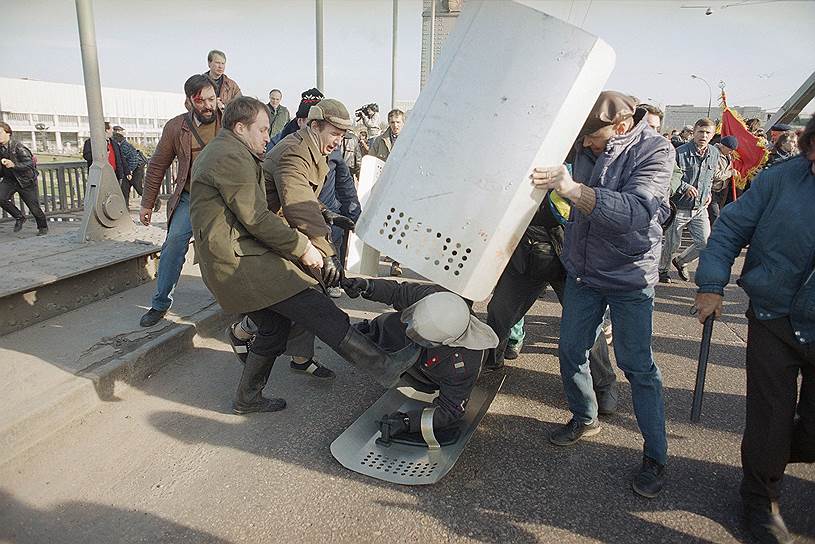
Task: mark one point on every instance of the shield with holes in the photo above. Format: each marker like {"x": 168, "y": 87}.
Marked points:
{"x": 510, "y": 91}
{"x": 359, "y": 448}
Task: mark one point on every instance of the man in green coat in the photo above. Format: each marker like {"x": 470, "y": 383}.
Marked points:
{"x": 255, "y": 263}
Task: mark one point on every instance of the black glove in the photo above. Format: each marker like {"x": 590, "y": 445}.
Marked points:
{"x": 331, "y": 271}
{"x": 354, "y": 287}
{"x": 393, "y": 424}
{"x": 338, "y": 220}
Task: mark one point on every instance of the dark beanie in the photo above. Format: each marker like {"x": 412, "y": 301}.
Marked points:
{"x": 307, "y": 99}
{"x": 730, "y": 141}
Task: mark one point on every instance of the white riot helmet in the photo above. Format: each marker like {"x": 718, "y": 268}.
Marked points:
{"x": 444, "y": 318}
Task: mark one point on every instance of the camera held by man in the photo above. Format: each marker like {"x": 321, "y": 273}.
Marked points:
{"x": 368, "y": 115}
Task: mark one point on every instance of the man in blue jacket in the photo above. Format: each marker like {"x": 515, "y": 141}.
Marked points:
{"x": 698, "y": 162}
{"x": 773, "y": 219}
{"x": 610, "y": 252}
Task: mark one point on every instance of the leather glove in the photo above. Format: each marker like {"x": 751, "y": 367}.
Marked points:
{"x": 331, "y": 271}
{"x": 338, "y": 220}
{"x": 354, "y": 287}
{"x": 393, "y": 424}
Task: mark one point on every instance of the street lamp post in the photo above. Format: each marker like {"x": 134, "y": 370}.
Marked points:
{"x": 709, "y": 92}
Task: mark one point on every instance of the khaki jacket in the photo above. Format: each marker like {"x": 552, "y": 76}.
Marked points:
{"x": 247, "y": 254}
{"x": 295, "y": 172}
{"x": 381, "y": 148}
{"x": 279, "y": 119}
{"x": 175, "y": 143}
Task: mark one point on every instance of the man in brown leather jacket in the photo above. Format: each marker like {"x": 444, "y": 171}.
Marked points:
{"x": 226, "y": 89}
{"x": 183, "y": 137}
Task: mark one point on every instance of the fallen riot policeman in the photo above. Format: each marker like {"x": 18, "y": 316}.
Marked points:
{"x": 453, "y": 343}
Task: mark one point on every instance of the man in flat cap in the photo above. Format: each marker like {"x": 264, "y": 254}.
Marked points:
{"x": 254, "y": 263}
{"x": 295, "y": 171}
{"x": 619, "y": 188}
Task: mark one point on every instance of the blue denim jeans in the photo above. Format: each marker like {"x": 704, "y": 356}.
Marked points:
{"x": 631, "y": 317}
{"x": 173, "y": 252}
{"x": 698, "y": 225}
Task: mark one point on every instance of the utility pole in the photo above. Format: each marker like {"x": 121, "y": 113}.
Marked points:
{"x": 393, "y": 53}
{"x": 320, "y": 72}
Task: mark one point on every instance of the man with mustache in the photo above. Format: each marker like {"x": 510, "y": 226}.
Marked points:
{"x": 183, "y": 138}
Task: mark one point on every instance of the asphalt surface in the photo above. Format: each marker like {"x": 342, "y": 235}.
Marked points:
{"x": 169, "y": 462}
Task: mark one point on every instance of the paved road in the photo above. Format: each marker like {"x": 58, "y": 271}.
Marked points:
{"x": 168, "y": 462}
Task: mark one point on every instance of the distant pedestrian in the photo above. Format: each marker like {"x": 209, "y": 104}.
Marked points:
{"x": 381, "y": 149}
{"x": 18, "y": 174}
{"x": 682, "y": 137}
{"x": 722, "y": 177}
{"x": 383, "y": 144}
{"x": 113, "y": 151}
{"x": 226, "y": 89}
{"x": 279, "y": 113}
{"x": 369, "y": 116}
{"x": 698, "y": 162}
{"x": 133, "y": 160}
{"x": 785, "y": 147}
{"x": 307, "y": 99}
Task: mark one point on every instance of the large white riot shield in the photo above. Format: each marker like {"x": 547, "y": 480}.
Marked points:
{"x": 363, "y": 259}
{"x": 510, "y": 91}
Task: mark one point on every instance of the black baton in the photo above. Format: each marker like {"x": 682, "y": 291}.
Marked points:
{"x": 701, "y": 370}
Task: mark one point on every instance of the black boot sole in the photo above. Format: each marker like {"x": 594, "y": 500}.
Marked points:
{"x": 272, "y": 406}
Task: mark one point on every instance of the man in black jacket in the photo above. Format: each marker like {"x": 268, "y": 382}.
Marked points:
{"x": 18, "y": 174}
{"x": 534, "y": 264}
{"x": 453, "y": 343}
{"x": 113, "y": 152}
{"x": 133, "y": 163}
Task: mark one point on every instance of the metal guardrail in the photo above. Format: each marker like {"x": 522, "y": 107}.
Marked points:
{"x": 62, "y": 188}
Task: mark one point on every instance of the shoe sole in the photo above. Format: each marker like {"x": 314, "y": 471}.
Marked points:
{"x": 147, "y": 326}
{"x": 587, "y": 434}
{"x": 242, "y": 412}
{"x": 331, "y": 377}
{"x": 644, "y": 494}
{"x": 298, "y": 371}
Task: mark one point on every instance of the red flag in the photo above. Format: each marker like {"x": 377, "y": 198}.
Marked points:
{"x": 752, "y": 153}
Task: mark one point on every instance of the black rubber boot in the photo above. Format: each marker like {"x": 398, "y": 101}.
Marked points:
{"x": 18, "y": 223}
{"x": 386, "y": 368}
{"x": 249, "y": 399}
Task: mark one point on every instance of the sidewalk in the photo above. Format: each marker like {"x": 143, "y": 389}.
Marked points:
{"x": 62, "y": 368}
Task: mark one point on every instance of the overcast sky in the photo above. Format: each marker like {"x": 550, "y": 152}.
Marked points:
{"x": 763, "y": 52}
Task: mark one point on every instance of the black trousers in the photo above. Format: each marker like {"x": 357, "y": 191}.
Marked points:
{"x": 28, "y": 195}
{"x": 774, "y": 435}
{"x": 717, "y": 202}
{"x": 514, "y": 295}
{"x": 310, "y": 309}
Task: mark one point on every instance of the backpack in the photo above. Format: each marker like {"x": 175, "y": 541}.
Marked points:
{"x": 142, "y": 158}
{"x": 33, "y": 161}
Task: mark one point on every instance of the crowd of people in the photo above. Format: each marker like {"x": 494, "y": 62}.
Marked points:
{"x": 269, "y": 199}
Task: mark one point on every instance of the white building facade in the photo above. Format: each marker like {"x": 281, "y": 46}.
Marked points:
{"x": 52, "y": 117}
{"x": 679, "y": 116}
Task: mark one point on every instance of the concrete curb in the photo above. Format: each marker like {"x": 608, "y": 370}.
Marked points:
{"x": 83, "y": 393}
